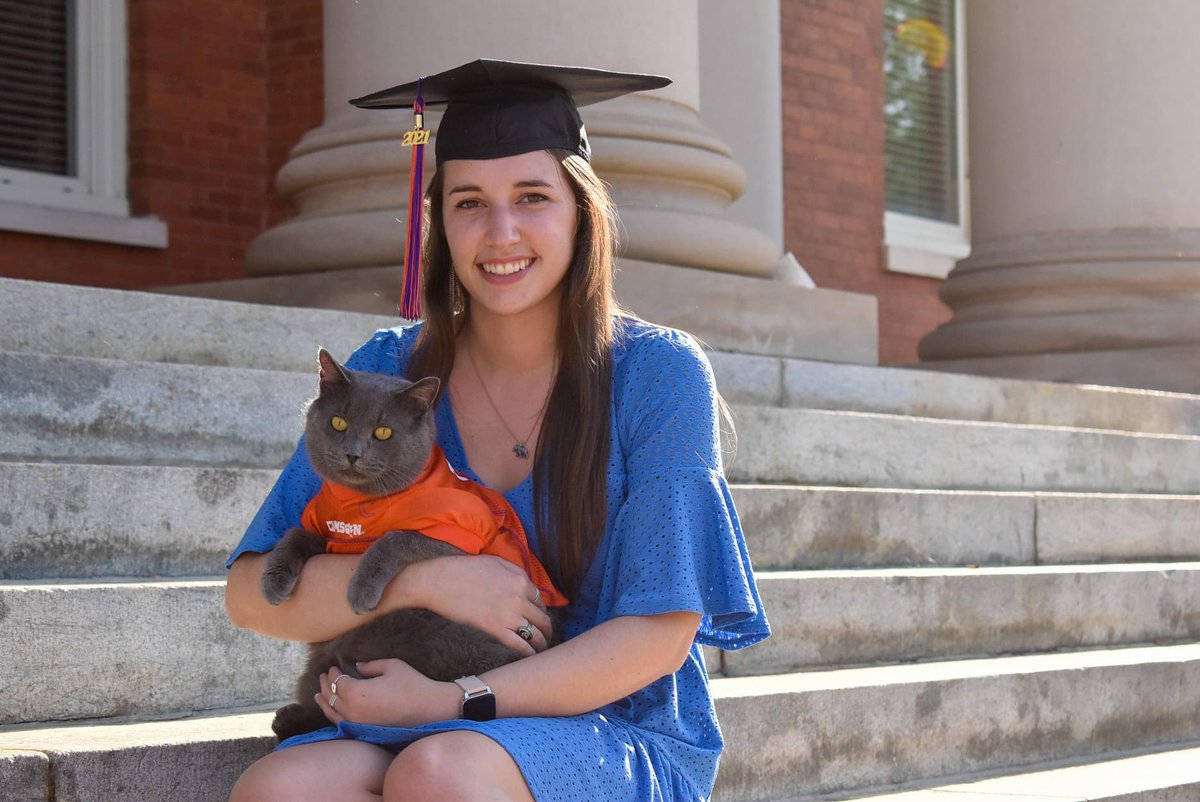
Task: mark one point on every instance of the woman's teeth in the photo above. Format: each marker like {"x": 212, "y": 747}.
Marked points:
{"x": 506, "y": 268}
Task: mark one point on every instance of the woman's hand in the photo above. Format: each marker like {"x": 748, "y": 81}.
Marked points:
{"x": 391, "y": 694}
{"x": 485, "y": 592}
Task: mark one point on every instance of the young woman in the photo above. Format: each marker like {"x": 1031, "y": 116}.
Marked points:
{"x": 601, "y": 431}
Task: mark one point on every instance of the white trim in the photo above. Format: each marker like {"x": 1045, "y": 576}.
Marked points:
{"x": 143, "y": 232}
{"x": 923, "y": 247}
{"x": 77, "y": 205}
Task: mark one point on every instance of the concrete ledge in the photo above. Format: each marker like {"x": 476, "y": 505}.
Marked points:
{"x": 73, "y": 409}
{"x": 65, "y": 320}
{"x": 25, "y": 776}
{"x": 1091, "y": 527}
{"x": 1172, "y": 776}
{"x": 819, "y": 527}
{"x": 832, "y": 618}
{"x": 800, "y": 735}
{"x": 61, "y": 520}
{"x": 134, "y": 648}
{"x": 860, "y": 449}
{"x": 190, "y": 760}
{"x": 788, "y": 737}
{"x": 928, "y": 393}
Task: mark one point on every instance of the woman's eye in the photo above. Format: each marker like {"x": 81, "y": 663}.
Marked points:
{"x": 339, "y": 423}
{"x": 470, "y": 203}
{"x": 533, "y": 197}
{"x": 383, "y": 433}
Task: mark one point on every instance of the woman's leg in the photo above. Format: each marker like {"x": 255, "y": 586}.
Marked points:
{"x": 328, "y": 771}
{"x": 455, "y": 767}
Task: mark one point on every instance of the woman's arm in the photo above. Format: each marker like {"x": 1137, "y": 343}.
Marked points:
{"x": 482, "y": 591}
{"x": 604, "y": 664}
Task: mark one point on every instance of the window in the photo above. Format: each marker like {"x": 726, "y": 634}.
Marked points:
{"x": 926, "y": 223}
{"x": 63, "y": 168}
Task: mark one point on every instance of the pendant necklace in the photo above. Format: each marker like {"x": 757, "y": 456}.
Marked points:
{"x": 519, "y": 449}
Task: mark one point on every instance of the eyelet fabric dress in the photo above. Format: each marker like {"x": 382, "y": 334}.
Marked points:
{"x": 673, "y": 543}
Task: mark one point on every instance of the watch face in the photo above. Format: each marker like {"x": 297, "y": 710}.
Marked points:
{"x": 480, "y": 708}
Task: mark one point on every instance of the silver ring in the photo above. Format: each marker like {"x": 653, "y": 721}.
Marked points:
{"x": 333, "y": 699}
{"x": 537, "y": 595}
{"x": 333, "y": 686}
{"x": 525, "y": 631}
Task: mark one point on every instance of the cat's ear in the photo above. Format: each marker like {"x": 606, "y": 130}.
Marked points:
{"x": 333, "y": 375}
{"x": 419, "y": 397}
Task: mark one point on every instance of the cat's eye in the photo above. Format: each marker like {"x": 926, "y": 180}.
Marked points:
{"x": 339, "y": 423}
{"x": 383, "y": 433}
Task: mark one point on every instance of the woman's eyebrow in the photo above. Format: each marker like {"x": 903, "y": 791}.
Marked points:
{"x": 529, "y": 182}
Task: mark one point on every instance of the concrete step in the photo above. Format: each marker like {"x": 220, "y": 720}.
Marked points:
{"x": 803, "y": 383}
{"x": 87, "y": 521}
{"x": 101, "y": 410}
{"x": 100, "y": 649}
{"x": 793, "y": 736}
{"x": 839, "y": 618}
{"x": 790, "y": 446}
{"x": 807, "y": 527}
{"x": 112, "y": 642}
{"x": 57, "y": 319}
{"x": 803, "y": 735}
{"x": 147, "y": 327}
{"x": 62, "y": 522}
{"x": 94, "y": 410}
{"x": 1171, "y": 776}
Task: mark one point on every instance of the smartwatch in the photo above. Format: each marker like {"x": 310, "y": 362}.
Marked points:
{"x": 478, "y": 703}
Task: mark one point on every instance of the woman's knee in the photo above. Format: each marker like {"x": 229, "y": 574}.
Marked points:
{"x": 454, "y": 766}
{"x": 318, "y": 772}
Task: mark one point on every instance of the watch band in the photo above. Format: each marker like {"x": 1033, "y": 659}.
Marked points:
{"x": 478, "y": 703}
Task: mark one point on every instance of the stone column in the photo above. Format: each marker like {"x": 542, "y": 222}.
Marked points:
{"x": 1085, "y": 196}
{"x": 671, "y": 176}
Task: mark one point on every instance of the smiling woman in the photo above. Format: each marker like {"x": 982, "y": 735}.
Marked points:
{"x": 624, "y": 500}
{"x": 510, "y": 224}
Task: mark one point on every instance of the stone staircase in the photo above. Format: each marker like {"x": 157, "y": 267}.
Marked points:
{"x": 982, "y": 590}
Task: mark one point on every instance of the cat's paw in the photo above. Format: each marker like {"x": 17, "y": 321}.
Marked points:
{"x": 295, "y": 719}
{"x": 363, "y": 596}
{"x": 278, "y": 581}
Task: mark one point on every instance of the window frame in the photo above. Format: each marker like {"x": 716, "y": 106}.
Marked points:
{"x": 921, "y": 246}
{"x": 92, "y": 204}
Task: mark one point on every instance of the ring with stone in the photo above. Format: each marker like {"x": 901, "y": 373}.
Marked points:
{"x": 333, "y": 686}
{"x": 526, "y": 632}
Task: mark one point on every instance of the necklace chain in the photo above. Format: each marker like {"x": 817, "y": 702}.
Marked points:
{"x": 520, "y": 448}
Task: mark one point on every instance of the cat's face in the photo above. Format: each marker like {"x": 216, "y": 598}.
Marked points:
{"x": 369, "y": 432}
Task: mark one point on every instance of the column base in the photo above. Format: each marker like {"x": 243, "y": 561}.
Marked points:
{"x": 1174, "y": 368}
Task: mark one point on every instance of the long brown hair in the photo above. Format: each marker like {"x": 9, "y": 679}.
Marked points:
{"x": 570, "y": 487}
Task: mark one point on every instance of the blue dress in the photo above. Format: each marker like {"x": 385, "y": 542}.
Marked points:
{"x": 673, "y": 543}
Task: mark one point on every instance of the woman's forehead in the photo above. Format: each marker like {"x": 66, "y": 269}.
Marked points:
{"x": 536, "y": 166}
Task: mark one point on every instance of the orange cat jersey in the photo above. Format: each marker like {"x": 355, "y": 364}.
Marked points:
{"x": 441, "y": 504}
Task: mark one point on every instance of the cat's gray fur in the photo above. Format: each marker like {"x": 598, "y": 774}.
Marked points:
{"x": 438, "y": 648}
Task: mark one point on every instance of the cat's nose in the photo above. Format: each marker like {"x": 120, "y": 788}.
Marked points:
{"x": 351, "y": 458}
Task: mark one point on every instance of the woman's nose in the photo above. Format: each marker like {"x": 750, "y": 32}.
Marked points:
{"x": 502, "y": 227}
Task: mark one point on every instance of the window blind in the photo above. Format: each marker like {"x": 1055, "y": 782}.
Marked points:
{"x": 920, "y": 108}
{"x": 34, "y": 87}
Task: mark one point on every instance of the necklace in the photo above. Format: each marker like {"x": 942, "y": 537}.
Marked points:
{"x": 519, "y": 449}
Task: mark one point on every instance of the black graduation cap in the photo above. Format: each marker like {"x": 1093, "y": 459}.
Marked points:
{"x": 495, "y": 109}
{"x": 504, "y": 108}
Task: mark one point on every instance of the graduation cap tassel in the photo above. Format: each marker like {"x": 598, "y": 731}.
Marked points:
{"x": 410, "y": 301}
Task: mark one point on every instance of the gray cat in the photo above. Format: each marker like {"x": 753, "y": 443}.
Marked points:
{"x": 373, "y": 434}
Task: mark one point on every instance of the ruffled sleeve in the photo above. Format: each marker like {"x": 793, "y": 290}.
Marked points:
{"x": 386, "y": 352}
{"x": 676, "y": 542}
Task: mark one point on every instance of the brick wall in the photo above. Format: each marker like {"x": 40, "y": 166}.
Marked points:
{"x": 833, "y": 141}
{"x": 219, "y": 90}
